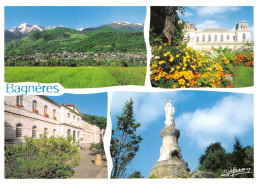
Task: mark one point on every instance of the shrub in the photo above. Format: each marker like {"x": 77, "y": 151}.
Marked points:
{"x": 99, "y": 147}
{"x": 41, "y": 158}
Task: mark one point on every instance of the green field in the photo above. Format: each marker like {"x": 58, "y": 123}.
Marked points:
{"x": 78, "y": 77}
{"x": 244, "y": 76}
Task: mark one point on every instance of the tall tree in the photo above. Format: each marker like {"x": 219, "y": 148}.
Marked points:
{"x": 214, "y": 159}
{"x": 238, "y": 154}
{"x": 124, "y": 141}
{"x": 165, "y": 24}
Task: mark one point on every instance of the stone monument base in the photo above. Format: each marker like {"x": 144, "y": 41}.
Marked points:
{"x": 173, "y": 168}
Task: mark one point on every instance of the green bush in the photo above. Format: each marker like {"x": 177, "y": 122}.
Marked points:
{"x": 42, "y": 158}
{"x": 98, "y": 147}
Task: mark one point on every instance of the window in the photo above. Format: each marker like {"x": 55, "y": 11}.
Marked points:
{"x": 74, "y": 135}
{"x": 46, "y": 131}
{"x": 55, "y": 133}
{"x": 45, "y": 109}
{"x": 209, "y": 38}
{"x": 216, "y": 38}
{"x": 68, "y": 115}
{"x": 228, "y": 37}
{"x": 19, "y": 130}
{"x": 68, "y": 132}
{"x": 222, "y": 38}
{"x": 244, "y": 37}
{"x": 78, "y": 119}
{"x": 203, "y": 38}
{"x": 54, "y": 114}
{"x": 19, "y": 101}
{"x": 34, "y": 107}
{"x": 198, "y": 39}
{"x": 34, "y": 131}
{"x": 78, "y": 136}
{"x": 73, "y": 118}
{"x": 188, "y": 38}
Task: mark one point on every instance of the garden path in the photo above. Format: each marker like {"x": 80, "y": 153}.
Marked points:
{"x": 87, "y": 168}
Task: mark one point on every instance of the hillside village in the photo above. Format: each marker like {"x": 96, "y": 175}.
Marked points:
{"x": 43, "y": 57}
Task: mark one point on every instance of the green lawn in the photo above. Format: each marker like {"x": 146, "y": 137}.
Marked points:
{"x": 244, "y": 76}
{"x": 78, "y": 77}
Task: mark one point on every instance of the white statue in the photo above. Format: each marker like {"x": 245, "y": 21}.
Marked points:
{"x": 169, "y": 113}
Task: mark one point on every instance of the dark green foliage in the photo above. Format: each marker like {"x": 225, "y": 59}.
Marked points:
{"x": 216, "y": 160}
{"x": 42, "y": 158}
{"x": 98, "y": 147}
{"x": 238, "y": 154}
{"x": 249, "y": 159}
{"x": 135, "y": 174}
{"x": 97, "y": 120}
{"x": 64, "y": 39}
{"x": 124, "y": 141}
{"x": 157, "y": 25}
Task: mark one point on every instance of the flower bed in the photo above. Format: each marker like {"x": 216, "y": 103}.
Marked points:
{"x": 181, "y": 67}
{"x": 244, "y": 59}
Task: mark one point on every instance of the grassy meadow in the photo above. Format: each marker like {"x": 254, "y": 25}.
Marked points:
{"x": 244, "y": 76}
{"x": 78, "y": 77}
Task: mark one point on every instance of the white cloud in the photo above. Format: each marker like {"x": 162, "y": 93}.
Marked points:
{"x": 148, "y": 107}
{"x": 230, "y": 117}
{"x": 214, "y": 10}
{"x": 207, "y": 24}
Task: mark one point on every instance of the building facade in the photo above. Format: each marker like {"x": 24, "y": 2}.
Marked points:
{"x": 32, "y": 116}
{"x": 217, "y": 37}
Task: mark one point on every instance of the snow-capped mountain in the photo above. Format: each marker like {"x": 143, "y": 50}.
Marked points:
{"x": 80, "y": 29}
{"x": 25, "y": 28}
{"x": 119, "y": 25}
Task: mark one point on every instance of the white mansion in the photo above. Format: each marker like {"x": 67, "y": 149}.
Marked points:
{"x": 217, "y": 37}
{"x": 34, "y": 115}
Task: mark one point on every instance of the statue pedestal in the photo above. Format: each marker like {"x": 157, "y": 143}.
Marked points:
{"x": 173, "y": 168}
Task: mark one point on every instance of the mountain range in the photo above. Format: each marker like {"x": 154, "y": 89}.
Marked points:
{"x": 24, "y": 29}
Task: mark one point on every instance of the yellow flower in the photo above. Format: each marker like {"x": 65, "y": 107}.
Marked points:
{"x": 157, "y": 78}
{"x": 171, "y": 59}
{"x": 181, "y": 81}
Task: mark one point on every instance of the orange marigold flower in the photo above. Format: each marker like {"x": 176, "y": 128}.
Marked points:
{"x": 174, "y": 86}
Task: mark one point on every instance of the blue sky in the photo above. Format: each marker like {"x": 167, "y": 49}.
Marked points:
{"x": 218, "y": 17}
{"x": 202, "y": 118}
{"x": 72, "y": 16}
{"x": 94, "y": 104}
